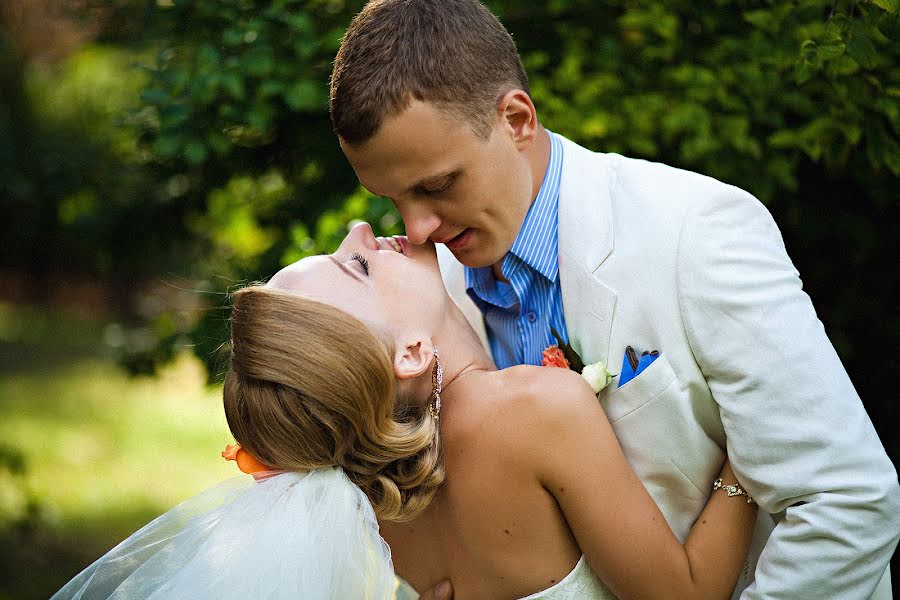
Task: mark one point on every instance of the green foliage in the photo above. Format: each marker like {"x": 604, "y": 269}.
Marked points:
{"x": 248, "y": 78}
{"x": 743, "y": 92}
{"x": 242, "y": 88}
{"x": 77, "y": 191}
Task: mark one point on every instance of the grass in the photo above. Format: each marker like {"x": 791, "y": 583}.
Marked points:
{"x": 102, "y": 452}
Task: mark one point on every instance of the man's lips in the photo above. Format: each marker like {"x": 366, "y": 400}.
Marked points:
{"x": 450, "y": 240}
{"x": 460, "y": 240}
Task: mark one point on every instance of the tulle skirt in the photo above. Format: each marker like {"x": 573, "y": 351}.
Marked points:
{"x": 293, "y": 535}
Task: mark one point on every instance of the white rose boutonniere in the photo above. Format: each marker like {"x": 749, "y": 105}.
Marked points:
{"x": 597, "y": 375}
{"x": 563, "y": 355}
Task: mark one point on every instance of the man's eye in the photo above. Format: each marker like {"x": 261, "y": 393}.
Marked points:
{"x": 361, "y": 260}
{"x": 444, "y": 187}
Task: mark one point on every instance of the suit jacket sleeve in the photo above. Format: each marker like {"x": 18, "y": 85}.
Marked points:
{"x": 797, "y": 433}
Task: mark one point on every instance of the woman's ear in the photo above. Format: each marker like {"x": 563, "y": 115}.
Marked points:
{"x": 413, "y": 359}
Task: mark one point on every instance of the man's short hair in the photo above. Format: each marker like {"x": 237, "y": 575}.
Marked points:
{"x": 453, "y": 53}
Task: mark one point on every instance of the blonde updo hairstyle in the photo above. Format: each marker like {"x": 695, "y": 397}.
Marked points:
{"x": 310, "y": 386}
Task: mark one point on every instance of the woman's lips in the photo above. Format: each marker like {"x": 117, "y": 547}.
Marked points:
{"x": 403, "y": 244}
{"x": 394, "y": 243}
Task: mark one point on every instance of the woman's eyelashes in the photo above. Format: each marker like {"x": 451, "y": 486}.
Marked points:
{"x": 361, "y": 260}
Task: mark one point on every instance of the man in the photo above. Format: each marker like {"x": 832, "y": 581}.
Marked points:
{"x": 431, "y": 105}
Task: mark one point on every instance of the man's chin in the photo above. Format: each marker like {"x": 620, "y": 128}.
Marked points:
{"x": 474, "y": 259}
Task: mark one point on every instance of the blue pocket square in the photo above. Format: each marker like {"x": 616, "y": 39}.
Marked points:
{"x": 632, "y": 364}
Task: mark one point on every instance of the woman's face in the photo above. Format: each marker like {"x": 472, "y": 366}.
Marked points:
{"x": 385, "y": 282}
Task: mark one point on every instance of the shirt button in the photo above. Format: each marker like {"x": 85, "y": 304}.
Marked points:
{"x": 531, "y": 317}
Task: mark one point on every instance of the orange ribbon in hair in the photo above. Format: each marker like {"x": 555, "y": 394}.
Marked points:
{"x": 246, "y": 462}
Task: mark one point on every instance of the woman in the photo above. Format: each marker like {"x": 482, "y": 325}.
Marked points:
{"x": 508, "y": 483}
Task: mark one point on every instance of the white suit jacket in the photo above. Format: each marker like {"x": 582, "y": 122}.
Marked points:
{"x": 659, "y": 258}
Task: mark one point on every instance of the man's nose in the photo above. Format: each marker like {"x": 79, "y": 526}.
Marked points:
{"x": 419, "y": 222}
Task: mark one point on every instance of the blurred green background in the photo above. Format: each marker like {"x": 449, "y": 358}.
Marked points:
{"x": 156, "y": 154}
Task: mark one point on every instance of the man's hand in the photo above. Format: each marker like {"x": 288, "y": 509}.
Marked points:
{"x": 442, "y": 591}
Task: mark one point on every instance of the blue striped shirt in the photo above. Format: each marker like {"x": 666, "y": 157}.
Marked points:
{"x": 518, "y": 314}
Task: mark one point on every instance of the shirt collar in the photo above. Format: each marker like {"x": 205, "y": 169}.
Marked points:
{"x": 537, "y": 244}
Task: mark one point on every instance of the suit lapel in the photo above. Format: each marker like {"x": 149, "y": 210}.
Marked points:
{"x": 585, "y": 241}
{"x": 454, "y": 276}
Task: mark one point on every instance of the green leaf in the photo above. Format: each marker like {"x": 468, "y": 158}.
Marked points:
{"x": 167, "y": 146}
{"x": 803, "y": 71}
{"x": 305, "y": 95}
{"x": 763, "y": 19}
{"x": 259, "y": 62}
{"x": 195, "y": 152}
{"x": 299, "y": 22}
{"x": 834, "y": 30}
{"x": 808, "y": 51}
{"x": 218, "y": 143}
{"x": 260, "y": 117}
{"x": 232, "y": 37}
{"x": 860, "y": 47}
{"x": 154, "y": 96}
{"x": 892, "y": 161}
{"x": 889, "y": 5}
{"x": 831, "y": 49}
{"x": 785, "y": 139}
{"x": 208, "y": 57}
{"x": 843, "y": 65}
{"x": 233, "y": 84}
{"x": 808, "y": 62}
{"x": 888, "y": 108}
{"x": 575, "y": 362}
{"x": 270, "y": 87}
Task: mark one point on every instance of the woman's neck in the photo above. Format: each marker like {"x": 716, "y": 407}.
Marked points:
{"x": 461, "y": 352}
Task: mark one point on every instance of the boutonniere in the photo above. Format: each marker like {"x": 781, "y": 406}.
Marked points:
{"x": 563, "y": 355}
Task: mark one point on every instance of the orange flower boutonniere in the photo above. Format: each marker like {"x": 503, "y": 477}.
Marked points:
{"x": 554, "y": 357}
{"x": 563, "y": 355}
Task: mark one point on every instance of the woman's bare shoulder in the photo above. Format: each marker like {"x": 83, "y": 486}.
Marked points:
{"x": 509, "y": 406}
{"x": 547, "y": 389}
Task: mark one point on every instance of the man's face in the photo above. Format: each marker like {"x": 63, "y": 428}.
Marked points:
{"x": 450, "y": 186}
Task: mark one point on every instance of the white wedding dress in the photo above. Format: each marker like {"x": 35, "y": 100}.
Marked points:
{"x": 579, "y": 584}
{"x": 290, "y": 536}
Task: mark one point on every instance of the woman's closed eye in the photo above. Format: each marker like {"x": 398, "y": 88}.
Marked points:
{"x": 361, "y": 260}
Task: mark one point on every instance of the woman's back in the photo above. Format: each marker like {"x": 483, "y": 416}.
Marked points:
{"x": 492, "y": 529}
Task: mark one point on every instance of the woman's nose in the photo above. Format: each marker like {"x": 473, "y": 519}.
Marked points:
{"x": 362, "y": 235}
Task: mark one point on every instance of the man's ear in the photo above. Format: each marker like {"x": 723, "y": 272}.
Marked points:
{"x": 413, "y": 359}
{"x": 519, "y": 117}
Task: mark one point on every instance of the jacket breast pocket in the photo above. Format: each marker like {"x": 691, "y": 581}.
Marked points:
{"x": 640, "y": 391}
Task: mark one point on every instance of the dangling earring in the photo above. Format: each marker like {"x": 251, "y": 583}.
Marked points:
{"x": 437, "y": 381}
